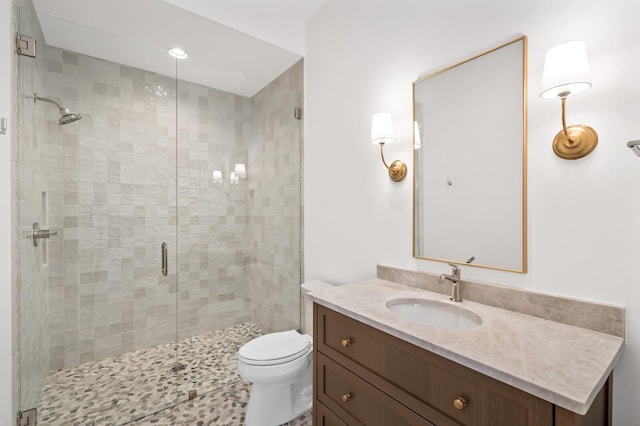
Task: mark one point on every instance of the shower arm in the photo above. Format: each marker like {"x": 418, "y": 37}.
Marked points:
{"x": 37, "y": 98}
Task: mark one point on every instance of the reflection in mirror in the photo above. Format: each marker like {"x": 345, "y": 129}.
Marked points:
{"x": 470, "y": 161}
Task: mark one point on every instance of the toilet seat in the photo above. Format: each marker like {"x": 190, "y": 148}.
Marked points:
{"x": 275, "y": 348}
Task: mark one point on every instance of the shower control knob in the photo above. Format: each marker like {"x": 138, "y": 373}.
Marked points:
{"x": 346, "y": 342}
{"x": 38, "y": 233}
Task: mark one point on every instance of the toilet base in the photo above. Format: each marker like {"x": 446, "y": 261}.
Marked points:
{"x": 274, "y": 404}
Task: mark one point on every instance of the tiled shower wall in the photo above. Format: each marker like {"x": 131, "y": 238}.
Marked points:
{"x": 117, "y": 186}
{"x": 113, "y": 188}
{"x": 275, "y": 174}
{"x": 213, "y": 232}
{"x": 31, "y": 271}
{"x": 112, "y": 177}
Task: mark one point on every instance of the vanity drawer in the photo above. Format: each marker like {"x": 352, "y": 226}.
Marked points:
{"x": 422, "y": 381}
{"x": 428, "y": 384}
{"x": 356, "y": 401}
{"x": 324, "y": 417}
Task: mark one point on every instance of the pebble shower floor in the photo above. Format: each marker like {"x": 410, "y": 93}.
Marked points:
{"x": 124, "y": 389}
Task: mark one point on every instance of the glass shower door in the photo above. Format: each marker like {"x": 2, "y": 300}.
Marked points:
{"x": 98, "y": 318}
{"x": 239, "y": 230}
{"x": 213, "y": 236}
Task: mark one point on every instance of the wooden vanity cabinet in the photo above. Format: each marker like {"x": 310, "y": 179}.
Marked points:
{"x": 323, "y": 417}
{"x": 363, "y": 376}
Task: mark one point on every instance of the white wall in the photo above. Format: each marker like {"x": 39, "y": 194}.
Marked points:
{"x": 584, "y": 236}
{"x": 6, "y": 111}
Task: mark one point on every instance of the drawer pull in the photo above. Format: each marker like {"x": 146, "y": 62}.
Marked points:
{"x": 346, "y": 342}
{"x": 346, "y": 397}
{"x": 460, "y": 402}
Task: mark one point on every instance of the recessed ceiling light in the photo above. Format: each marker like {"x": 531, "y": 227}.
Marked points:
{"x": 178, "y": 53}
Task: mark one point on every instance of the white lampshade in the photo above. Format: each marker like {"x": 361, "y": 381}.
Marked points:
{"x": 417, "y": 139}
{"x": 382, "y": 128}
{"x": 216, "y": 176}
{"x": 240, "y": 170}
{"x": 233, "y": 179}
{"x": 566, "y": 70}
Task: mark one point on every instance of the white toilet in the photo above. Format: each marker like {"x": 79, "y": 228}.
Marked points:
{"x": 280, "y": 367}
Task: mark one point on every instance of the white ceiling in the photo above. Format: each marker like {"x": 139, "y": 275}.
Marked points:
{"x": 237, "y": 46}
{"x": 280, "y": 22}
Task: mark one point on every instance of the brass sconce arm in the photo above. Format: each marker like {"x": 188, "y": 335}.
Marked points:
{"x": 382, "y": 155}
{"x": 397, "y": 169}
{"x": 564, "y": 120}
{"x": 576, "y": 141}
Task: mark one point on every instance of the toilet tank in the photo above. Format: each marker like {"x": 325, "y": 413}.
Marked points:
{"x": 307, "y": 303}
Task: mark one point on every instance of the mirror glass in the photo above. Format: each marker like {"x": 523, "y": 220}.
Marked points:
{"x": 470, "y": 161}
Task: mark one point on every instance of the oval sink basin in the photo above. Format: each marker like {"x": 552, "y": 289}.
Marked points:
{"x": 434, "y": 313}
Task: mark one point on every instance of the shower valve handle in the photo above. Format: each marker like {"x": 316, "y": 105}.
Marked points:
{"x": 40, "y": 233}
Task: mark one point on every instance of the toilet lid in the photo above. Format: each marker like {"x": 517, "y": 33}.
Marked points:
{"x": 275, "y": 348}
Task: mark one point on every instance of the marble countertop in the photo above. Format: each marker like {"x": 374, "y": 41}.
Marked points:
{"x": 562, "y": 364}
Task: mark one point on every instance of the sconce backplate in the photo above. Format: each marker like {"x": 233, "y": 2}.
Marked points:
{"x": 583, "y": 141}
{"x": 397, "y": 171}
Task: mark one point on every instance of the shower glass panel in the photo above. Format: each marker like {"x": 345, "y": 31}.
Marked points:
{"x": 105, "y": 337}
{"x": 98, "y": 319}
{"x": 239, "y": 235}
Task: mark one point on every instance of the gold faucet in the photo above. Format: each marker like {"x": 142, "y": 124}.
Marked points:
{"x": 455, "y": 282}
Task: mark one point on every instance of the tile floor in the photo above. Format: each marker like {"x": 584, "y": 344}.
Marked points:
{"x": 129, "y": 388}
{"x": 224, "y": 407}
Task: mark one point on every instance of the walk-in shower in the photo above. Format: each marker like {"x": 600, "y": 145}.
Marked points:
{"x": 106, "y": 337}
{"x": 66, "y": 116}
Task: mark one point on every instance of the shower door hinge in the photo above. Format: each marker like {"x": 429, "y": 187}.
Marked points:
{"x": 28, "y": 417}
{"x": 297, "y": 113}
{"x": 25, "y": 45}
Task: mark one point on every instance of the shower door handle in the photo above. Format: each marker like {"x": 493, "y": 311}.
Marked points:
{"x": 164, "y": 249}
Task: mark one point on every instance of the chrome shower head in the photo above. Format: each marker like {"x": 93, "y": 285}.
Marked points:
{"x": 69, "y": 118}
{"x": 66, "y": 116}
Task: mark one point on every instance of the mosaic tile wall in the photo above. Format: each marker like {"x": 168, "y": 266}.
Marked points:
{"x": 31, "y": 271}
{"x": 275, "y": 157}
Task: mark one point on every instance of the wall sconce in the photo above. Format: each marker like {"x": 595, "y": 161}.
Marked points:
{"x": 216, "y": 176}
{"x": 566, "y": 73}
{"x": 635, "y": 147}
{"x": 381, "y": 133}
{"x": 233, "y": 179}
{"x": 240, "y": 171}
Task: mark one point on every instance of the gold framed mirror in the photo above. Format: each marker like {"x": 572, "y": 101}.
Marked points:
{"x": 470, "y": 161}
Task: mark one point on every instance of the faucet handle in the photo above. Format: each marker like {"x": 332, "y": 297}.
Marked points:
{"x": 456, "y": 270}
